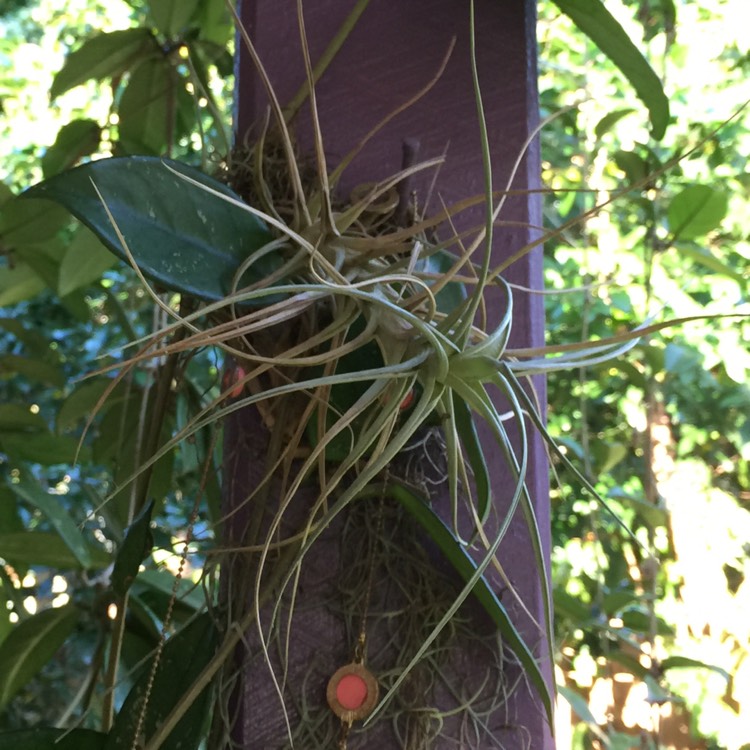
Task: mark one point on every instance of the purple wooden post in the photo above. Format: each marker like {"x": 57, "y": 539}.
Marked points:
{"x": 393, "y": 51}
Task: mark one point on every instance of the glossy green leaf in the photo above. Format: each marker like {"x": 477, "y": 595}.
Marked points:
{"x": 640, "y": 622}
{"x": 148, "y": 107}
{"x": 181, "y": 236}
{"x": 41, "y": 448}
{"x": 467, "y": 569}
{"x": 594, "y": 20}
{"x": 696, "y": 211}
{"x": 48, "y": 738}
{"x": 33, "y": 341}
{"x": 30, "y": 645}
{"x": 43, "y": 548}
{"x": 453, "y": 293}
{"x": 607, "y": 455}
{"x": 75, "y": 140}
{"x": 10, "y": 519}
{"x": 578, "y": 703}
{"x": 202, "y": 56}
{"x": 103, "y": 56}
{"x": 685, "y": 662}
{"x": 18, "y": 283}
{"x": 570, "y": 607}
{"x": 344, "y": 395}
{"x": 163, "y": 581}
{"x": 25, "y": 222}
{"x": 45, "y": 448}
{"x": 172, "y": 16}
{"x": 84, "y": 262}
{"x": 5, "y": 624}
{"x": 81, "y": 402}
{"x": 6, "y": 194}
{"x": 679, "y": 359}
{"x": 636, "y": 168}
{"x": 704, "y": 257}
{"x": 34, "y": 370}
{"x": 35, "y": 495}
{"x": 610, "y": 120}
{"x": 19, "y": 418}
{"x": 116, "y": 445}
{"x": 44, "y": 259}
{"x": 613, "y": 602}
{"x": 215, "y": 26}
{"x": 135, "y": 548}
{"x": 175, "y": 672}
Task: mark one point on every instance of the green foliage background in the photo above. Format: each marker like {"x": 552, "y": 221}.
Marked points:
{"x": 662, "y": 433}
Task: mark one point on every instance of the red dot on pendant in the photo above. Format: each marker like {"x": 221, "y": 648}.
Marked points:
{"x": 351, "y": 691}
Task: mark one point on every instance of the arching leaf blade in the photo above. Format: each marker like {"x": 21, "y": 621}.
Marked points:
{"x": 104, "y": 55}
{"x": 467, "y": 569}
{"x": 599, "y": 25}
{"x": 135, "y": 548}
{"x": 30, "y": 645}
{"x": 18, "y": 283}
{"x": 148, "y": 108}
{"x": 172, "y": 16}
{"x": 35, "y": 495}
{"x": 46, "y": 549}
{"x": 75, "y": 140}
{"x": 198, "y": 640}
{"x": 696, "y": 211}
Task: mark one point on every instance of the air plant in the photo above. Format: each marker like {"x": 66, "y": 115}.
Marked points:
{"x": 383, "y": 337}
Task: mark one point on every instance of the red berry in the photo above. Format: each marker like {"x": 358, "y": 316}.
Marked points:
{"x": 232, "y": 377}
{"x": 407, "y": 402}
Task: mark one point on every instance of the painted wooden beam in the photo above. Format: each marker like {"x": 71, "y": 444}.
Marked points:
{"x": 395, "y": 49}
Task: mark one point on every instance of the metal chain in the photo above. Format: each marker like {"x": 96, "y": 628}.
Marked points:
{"x": 175, "y": 591}
{"x": 360, "y": 648}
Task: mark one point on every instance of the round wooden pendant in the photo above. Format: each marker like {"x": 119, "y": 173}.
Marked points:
{"x": 352, "y": 693}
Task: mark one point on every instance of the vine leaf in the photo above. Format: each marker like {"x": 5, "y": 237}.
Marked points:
{"x": 150, "y": 108}
{"x": 467, "y": 569}
{"x": 17, "y": 418}
{"x": 76, "y": 139}
{"x": 42, "y": 448}
{"x": 599, "y": 25}
{"x": 685, "y": 662}
{"x": 610, "y": 120}
{"x": 35, "y": 495}
{"x": 172, "y": 16}
{"x": 135, "y": 548}
{"x": 696, "y": 211}
{"x": 33, "y": 369}
{"x": 30, "y": 645}
{"x": 18, "y": 283}
{"x": 181, "y": 236}
{"x": 25, "y": 223}
{"x": 102, "y": 56}
{"x": 84, "y": 262}
{"x": 46, "y": 549}
{"x": 184, "y": 657}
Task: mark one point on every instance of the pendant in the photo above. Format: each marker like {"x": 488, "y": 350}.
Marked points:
{"x": 352, "y": 693}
